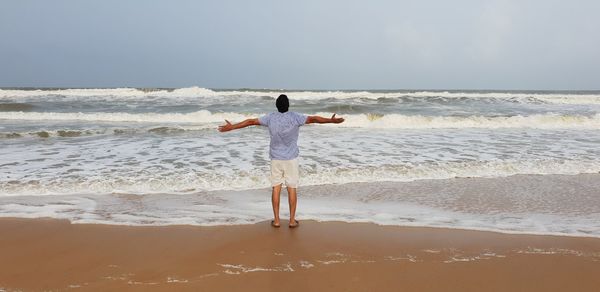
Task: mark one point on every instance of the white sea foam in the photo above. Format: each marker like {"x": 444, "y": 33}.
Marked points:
{"x": 198, "y": 92}
{"x": 184, "y": 181}
{"x": 195, "y": 117}
{"x": 108, "y": 92}
{"x": 450, "y": 204}
{"x": 540, "y": 121}
{"x": 208, "y": 160}
{"x": 79, "y": 132}
{"x": 149, "y": 166}
{"x": 389, "y": 121}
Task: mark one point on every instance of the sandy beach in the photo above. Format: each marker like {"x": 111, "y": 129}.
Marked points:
{"x": 49, "y": 254}
{"x": 422, "y": 145}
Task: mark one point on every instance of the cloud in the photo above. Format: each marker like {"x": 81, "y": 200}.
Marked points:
{"x": 493, "y": 32}
{"x": 411, "y": 41}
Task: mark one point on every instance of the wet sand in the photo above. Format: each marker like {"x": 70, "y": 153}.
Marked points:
{"x": 48, "y": 254}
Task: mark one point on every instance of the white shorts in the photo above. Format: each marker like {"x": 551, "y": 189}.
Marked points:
{"x": 285, "y": 171}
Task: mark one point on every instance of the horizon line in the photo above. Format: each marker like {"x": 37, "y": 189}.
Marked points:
{"x": 288, "y": 89}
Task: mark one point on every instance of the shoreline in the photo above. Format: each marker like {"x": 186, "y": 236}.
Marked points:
{"x": 556, "y": 205}
{"x": 51, "y": 254}
{"x": 448, "y": 228}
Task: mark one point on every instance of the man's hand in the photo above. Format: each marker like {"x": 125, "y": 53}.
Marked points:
{"x": 227, "y": 127}
{"x": 336, "y": 120}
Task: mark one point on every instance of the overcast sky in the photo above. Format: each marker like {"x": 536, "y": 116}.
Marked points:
{"x": 317, "y": 44}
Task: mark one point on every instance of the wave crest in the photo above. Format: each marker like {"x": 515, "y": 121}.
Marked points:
{"x": 199, "y": 92}
{"x": 191, "y": 181}
{"x": 369, "y": 120}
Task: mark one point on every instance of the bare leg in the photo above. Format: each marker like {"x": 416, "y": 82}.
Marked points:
{"x": 292, "y": 199}
{"x": 275, "y": 201}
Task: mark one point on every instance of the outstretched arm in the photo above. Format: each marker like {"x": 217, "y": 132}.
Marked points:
{"x": 322, "y": 120}
{"x": 229, "y": 126}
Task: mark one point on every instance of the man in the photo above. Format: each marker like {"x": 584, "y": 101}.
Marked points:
{"x": 283, "y": 128}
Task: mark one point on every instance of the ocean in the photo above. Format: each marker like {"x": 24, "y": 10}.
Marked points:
{"x": 507, "y": 161}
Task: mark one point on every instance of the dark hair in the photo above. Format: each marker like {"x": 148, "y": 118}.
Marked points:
{"x": 282, "y": 103}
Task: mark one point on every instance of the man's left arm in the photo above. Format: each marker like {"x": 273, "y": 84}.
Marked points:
{"x": 322, "y": 120}
{"x": 245, "y": 123}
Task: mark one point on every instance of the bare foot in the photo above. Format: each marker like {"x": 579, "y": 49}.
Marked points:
{"x": 294, "y": 223}
{"x": 275, "y": 224}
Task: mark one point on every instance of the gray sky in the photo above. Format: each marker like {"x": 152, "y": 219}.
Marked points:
{"x": 317, "y": 44}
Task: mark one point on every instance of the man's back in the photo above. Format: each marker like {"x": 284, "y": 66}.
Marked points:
{"x": 284, "y": 129}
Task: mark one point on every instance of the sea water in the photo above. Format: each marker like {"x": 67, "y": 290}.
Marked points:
{"x": 471, "y": 159}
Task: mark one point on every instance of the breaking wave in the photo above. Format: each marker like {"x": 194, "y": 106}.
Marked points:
{"x": 389, "y": 121}
{"x": 192, "y": 181}
{"x": 199, "y": 92}
{"x": 66, "y": 133}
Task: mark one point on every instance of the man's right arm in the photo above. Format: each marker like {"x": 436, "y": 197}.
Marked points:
{"x": 246, "y": 123}
{"x": 322, "y": 120}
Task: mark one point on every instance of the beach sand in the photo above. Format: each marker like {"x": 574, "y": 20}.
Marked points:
{"x": 49, "y": 254}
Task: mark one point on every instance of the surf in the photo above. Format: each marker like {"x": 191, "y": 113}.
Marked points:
{"x": 194, "y": 92}
{"x": 367, "y": 120}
